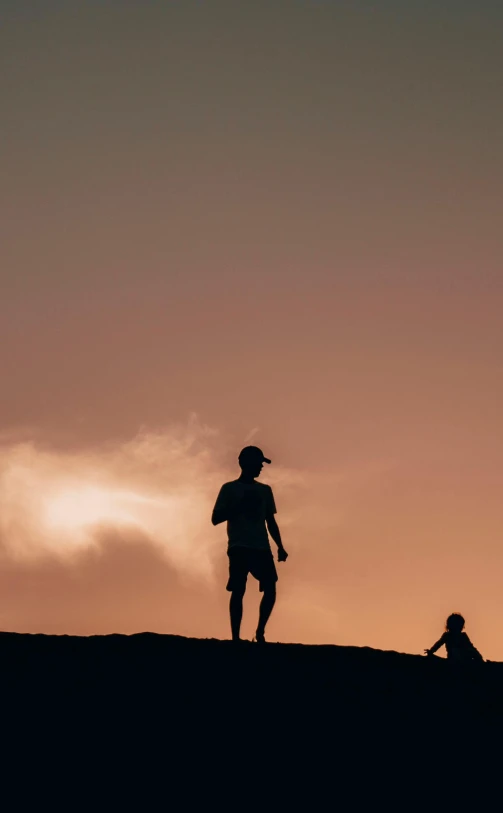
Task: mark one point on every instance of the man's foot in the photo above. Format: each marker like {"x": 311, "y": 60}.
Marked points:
{"x": 259, "y": 637}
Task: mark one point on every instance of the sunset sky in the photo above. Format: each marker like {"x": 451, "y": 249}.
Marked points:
{"x": 267, "y": 221}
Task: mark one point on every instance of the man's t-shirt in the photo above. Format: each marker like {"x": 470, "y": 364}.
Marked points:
{"x": 252, "y": 502}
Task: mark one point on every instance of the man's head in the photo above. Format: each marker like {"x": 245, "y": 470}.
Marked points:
{"x": 251, "y": 459}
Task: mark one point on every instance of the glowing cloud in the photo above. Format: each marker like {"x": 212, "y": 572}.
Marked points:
{"x": 84, "y": 507}
{"x": 158, "y": 487}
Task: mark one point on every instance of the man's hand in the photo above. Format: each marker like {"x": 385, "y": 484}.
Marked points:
{"x": 282, "y": 555}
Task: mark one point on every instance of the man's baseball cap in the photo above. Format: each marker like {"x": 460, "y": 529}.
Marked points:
{"x": 252, "y": 453}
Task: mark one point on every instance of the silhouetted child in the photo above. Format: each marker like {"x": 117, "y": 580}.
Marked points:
{"x": 457, "y": 643}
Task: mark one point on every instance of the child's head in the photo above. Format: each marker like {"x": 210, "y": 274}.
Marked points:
{"x": 455, "y": 623}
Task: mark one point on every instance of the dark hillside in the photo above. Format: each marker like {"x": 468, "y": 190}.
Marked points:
{"x": 281, "y": 716}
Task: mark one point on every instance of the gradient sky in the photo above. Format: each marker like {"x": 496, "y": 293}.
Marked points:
{"x": 285, "y": 218}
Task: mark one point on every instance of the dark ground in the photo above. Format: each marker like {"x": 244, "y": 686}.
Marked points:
{"x": 184, "y": 722}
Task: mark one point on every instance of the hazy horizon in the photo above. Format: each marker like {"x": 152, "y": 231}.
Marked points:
{"x": 235, "y": 221}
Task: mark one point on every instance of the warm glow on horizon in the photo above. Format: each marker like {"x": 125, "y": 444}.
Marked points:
{"x": 285, "y": 219}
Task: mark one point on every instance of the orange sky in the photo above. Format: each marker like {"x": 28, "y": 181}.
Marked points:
{"x": 286, "y": 220}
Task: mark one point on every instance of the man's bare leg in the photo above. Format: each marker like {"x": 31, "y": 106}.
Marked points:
{"x": 266, "y": 607}
{"x": 236, "y": 612}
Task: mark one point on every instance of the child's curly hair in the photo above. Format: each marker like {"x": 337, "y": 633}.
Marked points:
{"x": 455, "y": 623}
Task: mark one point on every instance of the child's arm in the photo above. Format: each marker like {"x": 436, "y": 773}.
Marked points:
{"x": 437, "y": 645}
{"x": 475, "y": 653}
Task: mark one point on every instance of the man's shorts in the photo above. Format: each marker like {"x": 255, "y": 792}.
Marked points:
{"x": 259, "y": 563}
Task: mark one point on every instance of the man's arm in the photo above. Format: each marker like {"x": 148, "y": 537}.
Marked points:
{"x": 218, "y": 516}
{"x": 272, "y": 527}
{"x": 223, "y": 514}
{"x": 221, "y": 509}
{"x": 227, "y": 506}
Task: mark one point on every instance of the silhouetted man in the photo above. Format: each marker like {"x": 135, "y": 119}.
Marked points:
{"x": 248, "y": 508}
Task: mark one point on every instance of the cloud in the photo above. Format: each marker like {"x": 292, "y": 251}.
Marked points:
{"x": 251, "y": 434}
{"x": 159, "y": 487}
{"x": 84, "y": 534}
